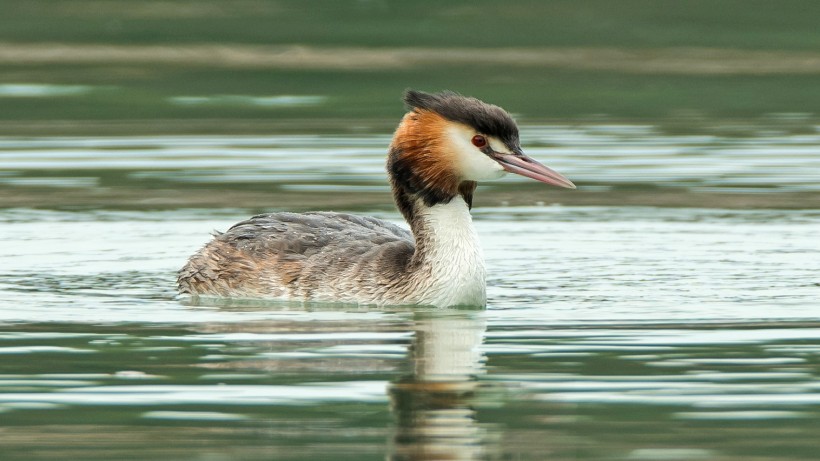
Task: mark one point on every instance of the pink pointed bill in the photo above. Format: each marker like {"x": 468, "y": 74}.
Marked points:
{"x": 526, "y": 166}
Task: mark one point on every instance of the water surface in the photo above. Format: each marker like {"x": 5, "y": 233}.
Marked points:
{"x": 614, "y": 164}
{"x": 611, "y": 332}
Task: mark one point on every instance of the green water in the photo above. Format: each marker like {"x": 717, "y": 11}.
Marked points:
{"x": 666, "y": 310}
{"x": 620, "y": 331}
{"x": 611, "y": 333}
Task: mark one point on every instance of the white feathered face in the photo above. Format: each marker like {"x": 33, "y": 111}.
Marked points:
{"x": 469, "y": 150}
{"x": 477, "y": 156}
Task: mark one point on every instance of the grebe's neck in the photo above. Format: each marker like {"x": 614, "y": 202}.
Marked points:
{"x": 448, "y": 263}
{"x": 447, "y": 266}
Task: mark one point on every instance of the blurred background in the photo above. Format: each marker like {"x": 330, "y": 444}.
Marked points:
{"x": 644, "y": 99}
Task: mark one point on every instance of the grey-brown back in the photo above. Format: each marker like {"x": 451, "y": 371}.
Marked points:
{"x": 300, "y": 255}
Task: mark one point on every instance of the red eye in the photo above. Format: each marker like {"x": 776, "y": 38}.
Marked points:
{"x": 479, "y": 141}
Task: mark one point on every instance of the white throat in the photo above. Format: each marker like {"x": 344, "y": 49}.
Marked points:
{"x": 453, "y": 257}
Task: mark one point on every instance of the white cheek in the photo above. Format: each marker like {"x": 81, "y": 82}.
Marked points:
{"x": 479, "y": 167}
{"x": 473, "y": 165}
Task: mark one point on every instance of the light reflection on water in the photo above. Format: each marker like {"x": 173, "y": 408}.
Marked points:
{"x": 611, "y": 333}
{"x": 591, "y": 155}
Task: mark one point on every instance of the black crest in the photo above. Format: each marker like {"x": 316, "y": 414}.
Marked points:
{"x": 484, "y": 118}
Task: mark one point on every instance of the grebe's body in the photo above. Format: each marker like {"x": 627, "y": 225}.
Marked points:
{"x": 340, "y": 257}
{"x": 443, "y": 146}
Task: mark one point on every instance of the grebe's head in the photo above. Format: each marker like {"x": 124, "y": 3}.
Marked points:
{"x": 447, "y": 140}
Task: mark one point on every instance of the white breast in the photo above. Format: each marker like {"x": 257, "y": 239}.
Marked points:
{"x": 453, "y": 256}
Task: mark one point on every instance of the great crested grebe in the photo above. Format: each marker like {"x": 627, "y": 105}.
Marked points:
{"x": 440, "y": 149}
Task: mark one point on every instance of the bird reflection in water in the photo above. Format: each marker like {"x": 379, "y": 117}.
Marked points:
{"x": 434, "y": 404}
{"x": 433, "y": 401}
